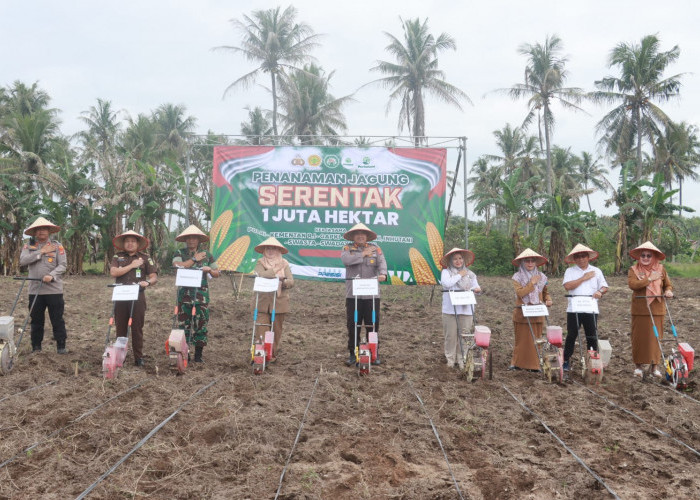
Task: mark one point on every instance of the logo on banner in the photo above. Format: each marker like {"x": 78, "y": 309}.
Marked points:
{"x": 314, "y": 161}
{"x": 331, "y": 161}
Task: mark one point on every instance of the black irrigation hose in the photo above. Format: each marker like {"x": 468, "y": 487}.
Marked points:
{"x": 27, "y": 390}
{"x": 590, "y": 471}
{"x": 71, "y": 423}
{"x": 639, "y": 419}
{"x": 144, "y": 440}
{"x": 301, "y": 426}
{"x": 681, "y": 393}
{"x": 454, "y": 479}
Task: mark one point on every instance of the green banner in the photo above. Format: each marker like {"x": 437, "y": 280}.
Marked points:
{"x": 308, "y": 197}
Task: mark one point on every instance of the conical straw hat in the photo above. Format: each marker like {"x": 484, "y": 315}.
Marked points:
{"x": 192, "y": 231}
{"x": 271, "y": 242}
{"x": 647, "y": 245}
{"x": 528, "y": 252}
{"x": 118, "y": 241}
{"x": 41, "y": 222}
{"x": 350, "y": 234}
{"x": 592, "y": 254}
{"x": 467, "y": 255}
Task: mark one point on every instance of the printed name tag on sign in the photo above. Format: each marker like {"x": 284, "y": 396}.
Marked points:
{"x": 365, "y": 287}
{"x": 584, "y": 305}
{"x": 535, "y": 310}
{"x": 465, "y": 298}
{"x": 190, "y": 278}
{"x": 125, "y": 292}
{"x": 266, "y": 284}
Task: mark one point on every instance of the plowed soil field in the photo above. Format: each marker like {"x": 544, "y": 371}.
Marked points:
{"x": 412, "y": 429}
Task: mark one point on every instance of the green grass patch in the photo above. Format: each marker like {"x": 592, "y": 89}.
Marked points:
{"x": 682, "y": 269}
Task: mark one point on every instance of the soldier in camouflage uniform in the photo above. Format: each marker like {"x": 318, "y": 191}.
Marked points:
{"x": 361, "y": 260}
{"x": 46, "y": 260}
{"x": 191, "y": 256}
{"x": 131, "y": 266}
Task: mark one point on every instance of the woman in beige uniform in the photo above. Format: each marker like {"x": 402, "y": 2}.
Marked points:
{"x": 272, "y": 265}
{"x": 647, "y": 278}
{"x": 530, "y": 289}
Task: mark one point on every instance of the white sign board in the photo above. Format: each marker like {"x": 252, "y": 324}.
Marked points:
{"x": 365, "y": 287}
{"x": 462, "y": 298}
{"x": 535, "y": 310}
{"x": 266, "y": 284}
{"x": 584, "y": 305}
{"x": 125, "y": 292}
{"x": 191, "y": 278}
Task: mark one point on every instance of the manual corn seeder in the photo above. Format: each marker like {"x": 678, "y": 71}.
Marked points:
{"x": 593, "y": 362}
{"x": 261, "y": 348}
{"x": 115, "y": 353}
{"x": 177, "y": 346}
{"x": 8, "y": 349}
{"x": 680, "y": 362}
{"x": 475, "y": 357}
{"x": 365, "y": 353}
{"x": 549, "y": 348}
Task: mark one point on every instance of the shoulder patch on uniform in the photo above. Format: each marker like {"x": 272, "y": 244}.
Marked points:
{"x": 346, "y": 247}
{"x": 61, "y": 250}
{"x": 379, "y": 250}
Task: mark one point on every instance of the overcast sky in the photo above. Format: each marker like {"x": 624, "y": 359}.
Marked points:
{"x": 143, "y": 53}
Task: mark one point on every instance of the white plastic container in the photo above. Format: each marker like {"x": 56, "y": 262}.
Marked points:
{"x": 7, "y": 328}
{"x": 605, "y": 351}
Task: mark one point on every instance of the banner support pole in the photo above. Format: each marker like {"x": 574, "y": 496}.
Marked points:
{"x": 463, "y": 140}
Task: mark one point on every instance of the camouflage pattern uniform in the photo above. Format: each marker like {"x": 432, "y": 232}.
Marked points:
{"x": 195, "y": 326}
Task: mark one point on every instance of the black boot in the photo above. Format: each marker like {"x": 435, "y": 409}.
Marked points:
{"x": 198, "y": 354}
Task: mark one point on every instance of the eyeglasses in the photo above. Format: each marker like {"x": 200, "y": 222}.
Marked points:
{"x": 646, "y": 255}
{"x": 580, "y": 255}
{"x": 529, "y": 260}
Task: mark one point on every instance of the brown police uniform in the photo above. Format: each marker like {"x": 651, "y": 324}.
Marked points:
{"x": 123, "y": 309}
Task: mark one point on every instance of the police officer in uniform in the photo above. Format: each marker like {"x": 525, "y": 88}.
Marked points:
{"x": 361, "y": 260}
{"x": 46, "y": 260}
{"x": 195, "y": 325}
{"x": 130, "y": 266}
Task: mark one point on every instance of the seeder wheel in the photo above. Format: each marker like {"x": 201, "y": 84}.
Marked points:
{"x": 484, "y": 362}
{"x": 181, "y": 363}
{"x": 469, "y": 365}
{"x": 490, "y": 356}
{"x": 6, "y": 359}
{"x": 547, "y": 368}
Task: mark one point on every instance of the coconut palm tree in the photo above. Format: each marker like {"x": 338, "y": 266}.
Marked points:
{"x": 307, "y": 107}
{"x": 545, "y": 77}
{"x": 415, "y": 74}
{"x": 273, "y": 39}
{"x": 640, "y": 84}
{"x": 677, "y": 154}
{"x": 591, "y": 172}
{"x": 257, "y": 128}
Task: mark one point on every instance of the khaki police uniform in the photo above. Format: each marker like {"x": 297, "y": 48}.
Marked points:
{"x": 123, "y": 309}
{"x": 356, "y": 265}
{"x": 47, "y": 295}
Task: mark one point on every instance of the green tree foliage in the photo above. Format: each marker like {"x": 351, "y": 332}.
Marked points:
{"x": 639, "y": 85}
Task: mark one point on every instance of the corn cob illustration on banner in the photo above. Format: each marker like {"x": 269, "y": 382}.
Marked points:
{"x": 219, "y": 229}
{"x": 421, "y": 269}
{"x": 233, "y": 255}
{"x": 309, "y": 197}
{"x": 434, "y": 242}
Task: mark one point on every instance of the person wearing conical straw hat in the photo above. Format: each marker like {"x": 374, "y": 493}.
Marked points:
{"x": 530, "y": 289}
{"x": 586, "y": 280}
{"x": 455, "y": 319}
{"x": 195, "y": 326}
{"x": 46, "y": 260}
{"x": 648, "y": 278}
{"x": 130, "y": 265}
{"x": 361, "y": 259}
{"x": 272, "y": 265}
